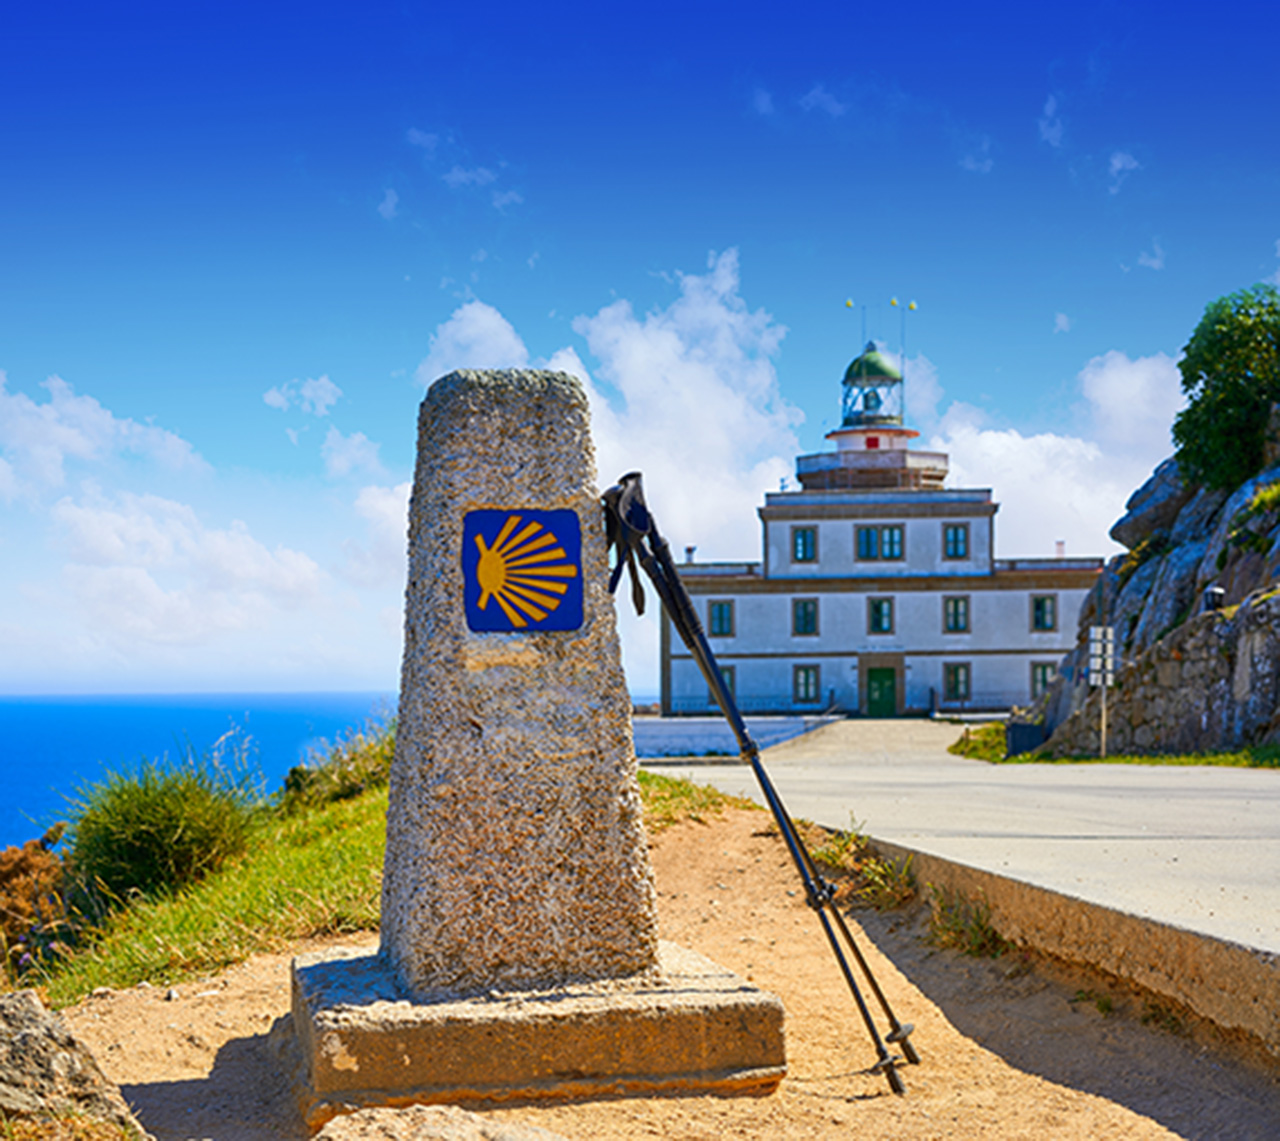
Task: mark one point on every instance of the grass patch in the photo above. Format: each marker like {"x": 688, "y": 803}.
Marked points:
{"x": 1155, "y": 1014}
{"x": 865, "y": 877}
{"x": 309, "y": 874}
{"x": 981, "y": 743}
{"x": 671, "y": 800}
{"x": 963, "y": 925}
{"x": 356, "y": 764}
{"x": 1254, "y": 757}
{"x": 886, "y": 884}
{"x": 1103, "y": 1002}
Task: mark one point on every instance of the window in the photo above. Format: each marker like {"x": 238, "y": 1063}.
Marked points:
{"x": 955, "y": 540}
{"x": 729, "y": 673}
{"x": 720, "y": 619}
{"x": 1042, "y": 675}
{"x": 804, "y": 544}
{"x": 805, "y": 683}
{"x": 955, "y": 614}
{"x": 804, "y": 615}
{"x": 1044, "y": 612}
{"x": 891, "y": 542}
{"x": 955, "y": 681}
{"x": 880, "y": 615}
{"x": 868, "y": 543}
{"x": 879, "y": 542}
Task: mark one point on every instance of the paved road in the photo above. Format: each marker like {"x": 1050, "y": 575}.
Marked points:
{"x": 1198, "y": 847}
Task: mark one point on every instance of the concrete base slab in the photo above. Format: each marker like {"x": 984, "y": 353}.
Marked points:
{"x": 692, "y": 1025}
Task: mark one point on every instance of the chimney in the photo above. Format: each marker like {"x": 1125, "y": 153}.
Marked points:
{"x": 688, "y": 554}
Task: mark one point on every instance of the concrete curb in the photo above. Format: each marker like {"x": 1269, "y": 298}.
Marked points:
{"x": 1235, "y": 987}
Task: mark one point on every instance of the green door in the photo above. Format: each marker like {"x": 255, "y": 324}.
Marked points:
{"x": 882, "y": 698}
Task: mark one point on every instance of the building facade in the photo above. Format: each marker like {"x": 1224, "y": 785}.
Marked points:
{"x": 877, "y": 591}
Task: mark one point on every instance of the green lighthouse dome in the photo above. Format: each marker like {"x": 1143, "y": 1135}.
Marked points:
{"x": 872, "y": 391}
{"x": 872, "y": 366}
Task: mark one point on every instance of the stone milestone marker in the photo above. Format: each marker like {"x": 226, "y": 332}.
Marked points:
{"x": 519, "y": 952}
{"x": 515, "y": 850}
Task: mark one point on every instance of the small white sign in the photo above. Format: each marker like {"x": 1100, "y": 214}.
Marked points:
{"x": 1102, "y": 655}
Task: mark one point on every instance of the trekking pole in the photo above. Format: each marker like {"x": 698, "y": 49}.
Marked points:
{"x": 633, "y": 533}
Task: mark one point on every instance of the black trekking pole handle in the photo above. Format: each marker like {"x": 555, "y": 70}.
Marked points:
{"x": 629, "y": 525}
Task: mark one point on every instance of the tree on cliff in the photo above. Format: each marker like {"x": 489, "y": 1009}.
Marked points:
{"x": 1231, "y": 375}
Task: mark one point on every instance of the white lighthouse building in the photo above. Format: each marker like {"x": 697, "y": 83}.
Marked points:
{"x": 877, "y": 591}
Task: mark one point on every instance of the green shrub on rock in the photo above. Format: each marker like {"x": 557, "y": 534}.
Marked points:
{"x": 1231, "y": 375}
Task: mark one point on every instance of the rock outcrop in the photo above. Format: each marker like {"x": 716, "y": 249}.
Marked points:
{"x": 1182, "y": 539}
{"x": 45, "y": 1073}
{"x": 1212, "y": 684}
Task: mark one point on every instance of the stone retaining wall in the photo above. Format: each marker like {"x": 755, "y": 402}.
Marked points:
{"x": 1212, "y": 684}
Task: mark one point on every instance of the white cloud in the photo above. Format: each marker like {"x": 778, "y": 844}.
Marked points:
{"x": 762, "y": 102}
{"x": 923, "y": 392}
{"x": 383, "y": 560}
{"x": 143, "y": 568}
{"x": 1121, "y": 166}
{"x": 37, "y": 440}
{"x": 319, "y": 395}
{"x": 1049, "y": 486}
{"x": 979, "y": 159}
{"x": 458, "y": 176}
{"x": 475, "y": 336}
{"x": 1050, "y": 123}
{"x": 346, "y": 454}
{"x": 1056, "y": 485}
{"x": 315, "y": 396}
{"x": 690, "y": 396}
{"x": 818, "y": 98}
{"x": 1132, "y": 402}
{"x": 423, "y": 139}
{"x": 387, "y": 207}
{"x": 1061, "y": 323}
{"x": 106, "y": 589}
{"x": 504, "y": 198}
{"x": 1154, "y": 260}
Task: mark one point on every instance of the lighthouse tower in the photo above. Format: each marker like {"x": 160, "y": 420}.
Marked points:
{"x": 872, "y": 444}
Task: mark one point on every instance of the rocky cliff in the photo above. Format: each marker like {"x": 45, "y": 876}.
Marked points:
{"x": 1188, "y": 679}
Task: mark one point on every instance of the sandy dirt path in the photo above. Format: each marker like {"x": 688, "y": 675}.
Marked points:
{"x": 1009, "y": 1047}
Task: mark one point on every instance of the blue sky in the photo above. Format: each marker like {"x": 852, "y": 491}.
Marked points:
{"x": 237, "y": 242}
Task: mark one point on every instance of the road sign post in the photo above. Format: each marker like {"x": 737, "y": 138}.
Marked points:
{"x": 1102, "y": 672}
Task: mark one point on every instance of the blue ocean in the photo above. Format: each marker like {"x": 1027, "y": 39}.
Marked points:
{"x": 52, "y": 746}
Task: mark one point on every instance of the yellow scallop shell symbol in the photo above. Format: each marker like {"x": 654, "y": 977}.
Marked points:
{"x": 522, "y": 571}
